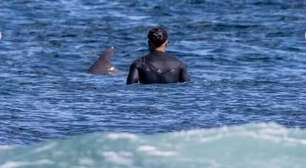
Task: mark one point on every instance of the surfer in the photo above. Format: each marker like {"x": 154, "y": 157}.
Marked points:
{"x": 157, "y": 66}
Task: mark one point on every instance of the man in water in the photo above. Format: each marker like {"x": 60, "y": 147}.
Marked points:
{"x": 157, "y": 66}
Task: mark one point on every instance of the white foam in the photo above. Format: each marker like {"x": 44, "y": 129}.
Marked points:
{"x": 128, "y": 16}
{"x": 45, "y": 148}
{"x": 6, "y": 147}
{"x": 137, "y": 17}
{"x": 153, "y": 151}
{"x": 12, "y": 164}
{"x": 16, "y": 164}
{"x": 120, "y": 158}
{"x": 117, "y": 136}
{"x": 210, "y": 139}
{"x": 86, "y": 162}
{"x": 264, "y": 131}
{"x": 213, "y": 164}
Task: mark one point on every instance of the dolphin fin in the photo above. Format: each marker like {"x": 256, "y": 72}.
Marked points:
{"x": 103, "y": 65}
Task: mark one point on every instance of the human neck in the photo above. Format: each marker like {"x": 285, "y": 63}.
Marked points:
{"x": 160, "y": 49}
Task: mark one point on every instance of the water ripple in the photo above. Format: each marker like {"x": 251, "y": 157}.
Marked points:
{"x": 247, "y": 62}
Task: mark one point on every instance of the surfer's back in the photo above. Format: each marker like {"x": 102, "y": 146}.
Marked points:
{"x": 157, "y": 67}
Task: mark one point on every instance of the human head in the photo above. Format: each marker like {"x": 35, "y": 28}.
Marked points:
{"x": 157, "y": 37}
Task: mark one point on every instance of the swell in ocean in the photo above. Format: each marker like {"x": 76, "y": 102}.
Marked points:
{"x": 254, "y": 145}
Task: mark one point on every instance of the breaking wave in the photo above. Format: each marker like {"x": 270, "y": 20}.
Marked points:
{"x": 256, "y": 145}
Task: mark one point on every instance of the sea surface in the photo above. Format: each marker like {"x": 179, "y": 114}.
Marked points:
{"x": 251, "y": 146}
{"x": 246, "y": 59}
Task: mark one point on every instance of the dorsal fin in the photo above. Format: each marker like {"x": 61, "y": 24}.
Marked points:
{"x": 103, "y": 65}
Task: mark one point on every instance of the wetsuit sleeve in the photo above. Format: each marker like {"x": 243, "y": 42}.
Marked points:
{"x": 133, "y": 76}
{"x": 184, "y": 77}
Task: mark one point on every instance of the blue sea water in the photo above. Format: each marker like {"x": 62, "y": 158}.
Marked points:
{"x": 247, "y": 61}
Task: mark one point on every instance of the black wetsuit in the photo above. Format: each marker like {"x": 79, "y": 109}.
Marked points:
{"x": 157, "y": 67}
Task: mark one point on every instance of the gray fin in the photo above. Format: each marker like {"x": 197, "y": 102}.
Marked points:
{"x": 103, "y": 65}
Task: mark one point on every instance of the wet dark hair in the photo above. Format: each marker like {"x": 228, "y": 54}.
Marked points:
{"x": 156, "y": 37}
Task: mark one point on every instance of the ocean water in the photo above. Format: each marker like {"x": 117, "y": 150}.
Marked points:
{"x": 247, "y": 61}
{"x": 252, "y": 146}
